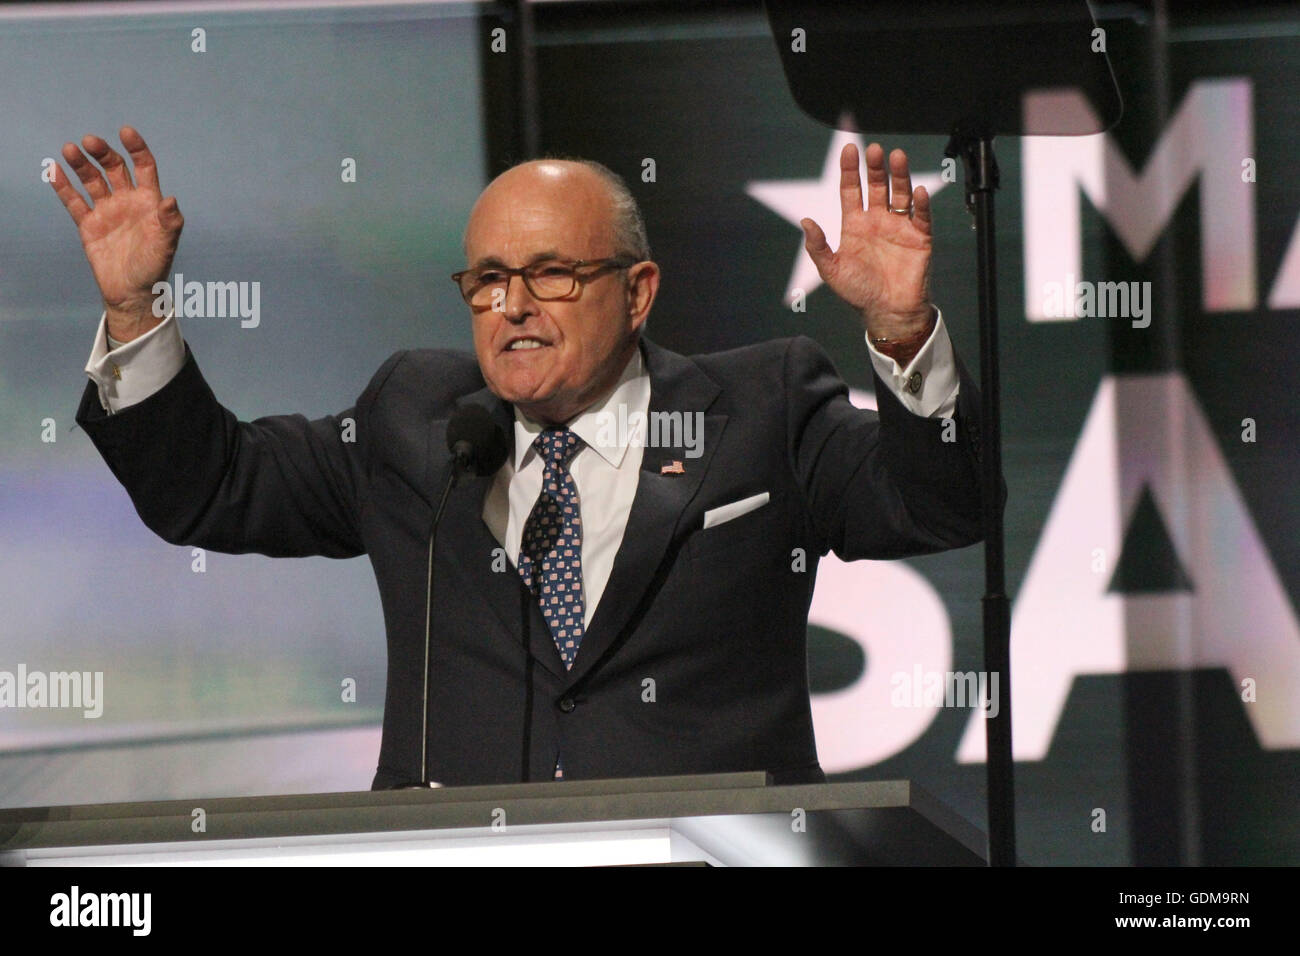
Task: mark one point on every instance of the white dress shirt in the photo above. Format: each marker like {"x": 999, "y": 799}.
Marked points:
{"x": 604, "y": 473}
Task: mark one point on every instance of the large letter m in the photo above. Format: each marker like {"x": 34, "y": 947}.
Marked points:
{"x": 1211, "y": 134}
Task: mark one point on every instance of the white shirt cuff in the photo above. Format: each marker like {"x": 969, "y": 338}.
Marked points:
{"x": 128, "y": 373}
{"x": 928, "y": 386}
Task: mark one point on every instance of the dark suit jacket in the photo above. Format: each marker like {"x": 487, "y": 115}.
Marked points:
{"x": 715, "y": 618}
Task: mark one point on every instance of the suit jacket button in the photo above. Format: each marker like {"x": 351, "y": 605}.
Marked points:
{"x": 567, "y": 705}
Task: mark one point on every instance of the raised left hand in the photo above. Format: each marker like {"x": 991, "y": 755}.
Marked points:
{"x": 882, "y": 266}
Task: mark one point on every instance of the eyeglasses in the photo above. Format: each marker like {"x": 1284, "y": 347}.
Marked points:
{"x": 547, "y": 279}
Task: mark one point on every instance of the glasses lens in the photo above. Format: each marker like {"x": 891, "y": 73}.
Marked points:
{"x": 477, "y": 285}
{"x": 551, "y": 280}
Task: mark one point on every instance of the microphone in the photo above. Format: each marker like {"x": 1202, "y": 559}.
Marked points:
{"x": 478, "y": 446}
{"x": 476, "y": 442}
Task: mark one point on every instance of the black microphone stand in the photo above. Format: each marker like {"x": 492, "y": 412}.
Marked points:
{"x": 460, "y": 461}
{"x": 974, "y": 144}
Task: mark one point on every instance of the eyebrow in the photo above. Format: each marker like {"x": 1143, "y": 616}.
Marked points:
{"x": 498, "y": 261}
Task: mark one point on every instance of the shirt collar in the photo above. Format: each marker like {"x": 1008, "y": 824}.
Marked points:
{"x": 600, "y": 426}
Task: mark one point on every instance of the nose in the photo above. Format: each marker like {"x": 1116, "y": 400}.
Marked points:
{"x": 519, "y": 302}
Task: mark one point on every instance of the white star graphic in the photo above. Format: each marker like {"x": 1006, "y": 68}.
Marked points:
{"x": 819, "y": 200}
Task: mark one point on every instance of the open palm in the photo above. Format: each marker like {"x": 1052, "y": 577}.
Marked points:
{"x": 130, "y": 232}
{"x": 882, "y": 265}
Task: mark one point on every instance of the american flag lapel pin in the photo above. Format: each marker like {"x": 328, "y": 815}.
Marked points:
{"x": 672, "y": 468}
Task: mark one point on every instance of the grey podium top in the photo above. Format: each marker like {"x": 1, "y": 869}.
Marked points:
{"x": 886, "y": 822}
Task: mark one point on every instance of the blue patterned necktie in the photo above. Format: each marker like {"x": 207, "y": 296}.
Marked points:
{"x": 550, "y": 554}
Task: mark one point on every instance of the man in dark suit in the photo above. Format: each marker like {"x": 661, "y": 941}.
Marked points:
{"x": 627, "y": 594}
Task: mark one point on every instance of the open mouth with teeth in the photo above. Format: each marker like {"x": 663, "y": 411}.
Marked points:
{"x": 523, "y": 345}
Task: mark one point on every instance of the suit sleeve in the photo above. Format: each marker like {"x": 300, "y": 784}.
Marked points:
{"x": 282, "y": 485}
{"x": 884, "y": 484}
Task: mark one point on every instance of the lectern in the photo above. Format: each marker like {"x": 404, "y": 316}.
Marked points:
{"x": 726, "y": 819}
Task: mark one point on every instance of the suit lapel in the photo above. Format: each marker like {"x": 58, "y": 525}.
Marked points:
{"x": 653, "y": 526}
{"x": 470, "y": 549}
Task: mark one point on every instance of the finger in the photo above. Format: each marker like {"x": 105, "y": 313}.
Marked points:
{"x": 146, "y": 170}
{"x": 86, "y": 171}
{"x": 77, "y": 207}
{"x": 814, "y": 240}
{"x": 877, "y": 180}
{"x": 921, "y": 209}
{"x": 110, "y": 160}
{"x": 169, "y": 215}
{"x": 850, "y": 181}
{"x": 900, "y": 180}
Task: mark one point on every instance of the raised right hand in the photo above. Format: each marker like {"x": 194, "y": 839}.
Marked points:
{"x": 130, "y": 233}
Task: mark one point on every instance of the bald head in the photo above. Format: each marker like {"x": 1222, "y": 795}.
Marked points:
{"x": 619, "y": 209}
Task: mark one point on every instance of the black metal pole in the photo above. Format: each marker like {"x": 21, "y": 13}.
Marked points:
{"x": 529, "y": 120}
{"x": 975, "y": 147}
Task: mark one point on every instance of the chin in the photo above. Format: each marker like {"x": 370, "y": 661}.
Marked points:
{"x": 524, "y": 382}
{"x": 518, "y": 391}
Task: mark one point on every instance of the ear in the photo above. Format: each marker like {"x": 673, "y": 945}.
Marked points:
{"x": 642, "y": 287}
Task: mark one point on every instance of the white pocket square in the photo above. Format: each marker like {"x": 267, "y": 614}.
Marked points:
{"x": 723, "y": 513}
